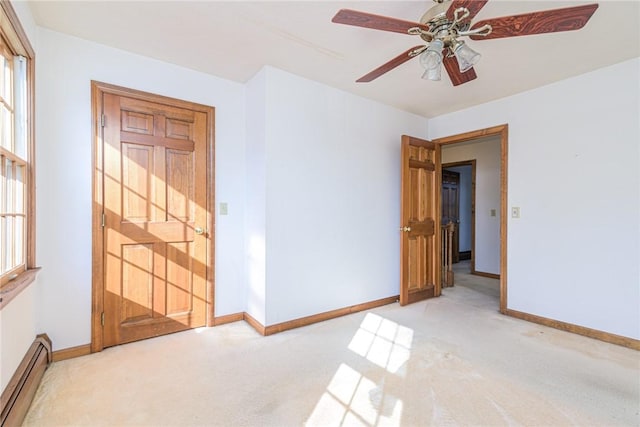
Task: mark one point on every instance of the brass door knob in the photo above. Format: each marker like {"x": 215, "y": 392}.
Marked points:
{"x": 406, "y": 229}
{"x": 199, "y": 230}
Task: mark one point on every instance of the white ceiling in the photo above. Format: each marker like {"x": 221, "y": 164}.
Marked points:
{"x": 235, "y": 39}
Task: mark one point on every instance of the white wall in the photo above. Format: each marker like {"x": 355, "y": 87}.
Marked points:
{"x": 18, "y": 318}
{"x": 332, "y": 197}
{"x": 465, "y": 194}
{"x": 17, "y": 331}
{"x": 66, "y": 66}
{"x": 573, "y": 168}
{"x": 255, "y": 231}
{"x": 487, "y": 155}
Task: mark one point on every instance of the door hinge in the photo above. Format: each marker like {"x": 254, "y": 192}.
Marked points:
{"x": 103, "y": 219}
{"x": 102, "y": 318}
{"x": 103, "y": 120}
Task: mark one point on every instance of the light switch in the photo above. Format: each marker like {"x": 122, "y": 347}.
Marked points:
{"x": 515, "y": 212}
{"x": 224, "y": 208}
{"x": 493, "y": 212}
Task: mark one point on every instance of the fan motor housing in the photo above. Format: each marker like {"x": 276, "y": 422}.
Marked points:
{"x": 436, "y": 19}
{"x": 436, "y": 12}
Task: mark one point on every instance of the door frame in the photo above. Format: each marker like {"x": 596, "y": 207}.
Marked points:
{"x": 471, "y": 163}
{"x": 503, "y": 132}
{"x": 97, "y": 193}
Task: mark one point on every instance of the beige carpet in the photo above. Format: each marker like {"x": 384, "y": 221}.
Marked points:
{"x": 449, "y": 361}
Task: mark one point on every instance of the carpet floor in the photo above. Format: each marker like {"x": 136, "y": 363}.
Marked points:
{"x": 449, "y": 361}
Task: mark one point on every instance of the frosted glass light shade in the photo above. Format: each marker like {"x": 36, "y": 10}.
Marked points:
{"x": 432, "y": 57}
{"x": 466, "y": 57}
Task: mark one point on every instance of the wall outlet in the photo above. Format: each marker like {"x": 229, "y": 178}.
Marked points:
{"x": 493, "y": 212}
{"x": 224, "y": 208}
{"x": 515, "y": 212}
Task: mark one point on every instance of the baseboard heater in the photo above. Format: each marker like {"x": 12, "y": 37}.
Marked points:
{"x": 17, "y": 396}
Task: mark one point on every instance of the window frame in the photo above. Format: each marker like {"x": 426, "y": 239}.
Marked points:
{"x": 18, "y": 43}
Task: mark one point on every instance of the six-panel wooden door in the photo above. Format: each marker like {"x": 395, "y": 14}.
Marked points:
{"x": 155, "y": 219}
{"x": 420, "y": 225}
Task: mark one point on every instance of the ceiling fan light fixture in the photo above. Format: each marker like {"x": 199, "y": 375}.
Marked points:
{"x": 444, "y": 23}
{"x": 466, "y": 56}
{"x": 431, "y": 58}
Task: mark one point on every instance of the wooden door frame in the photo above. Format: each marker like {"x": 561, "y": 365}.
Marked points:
{"x": 501, "y": 131}
{"x": 97, "y": 230}
{"x": 471, "y": 163}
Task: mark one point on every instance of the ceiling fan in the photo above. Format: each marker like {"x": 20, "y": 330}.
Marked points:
{"x": 444, "y": 24}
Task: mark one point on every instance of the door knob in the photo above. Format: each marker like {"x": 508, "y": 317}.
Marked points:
{"x": 199, "y": 230}
{"x": 406, "y": 229}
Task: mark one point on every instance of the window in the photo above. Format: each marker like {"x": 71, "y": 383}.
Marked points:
{"x": 16, "y": 151}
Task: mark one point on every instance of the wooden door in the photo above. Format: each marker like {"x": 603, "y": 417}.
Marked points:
{"x": 451, "y": 208}
{"x": 157, "y": 222}
{"x": 420, "y": 227}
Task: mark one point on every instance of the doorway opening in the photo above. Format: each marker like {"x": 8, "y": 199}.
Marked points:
{"x": 477, "y": 218}
{"x": 458, "y": 207}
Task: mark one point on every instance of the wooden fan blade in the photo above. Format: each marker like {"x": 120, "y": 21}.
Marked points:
{"x": 376, "y": 22}
{"x": 453, "y": 69}
{"x": 548, "y": 21}
{"x": 474, "y": 7}
{"x": 388, "y": 66}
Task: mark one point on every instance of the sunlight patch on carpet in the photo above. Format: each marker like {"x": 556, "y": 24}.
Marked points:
{"x": 354, "y": 400}
{"x": 351, "y": 398}
{"x": 383, "y": 342}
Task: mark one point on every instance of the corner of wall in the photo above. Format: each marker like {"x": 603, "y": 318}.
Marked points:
{"x": 255, "y": 222}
